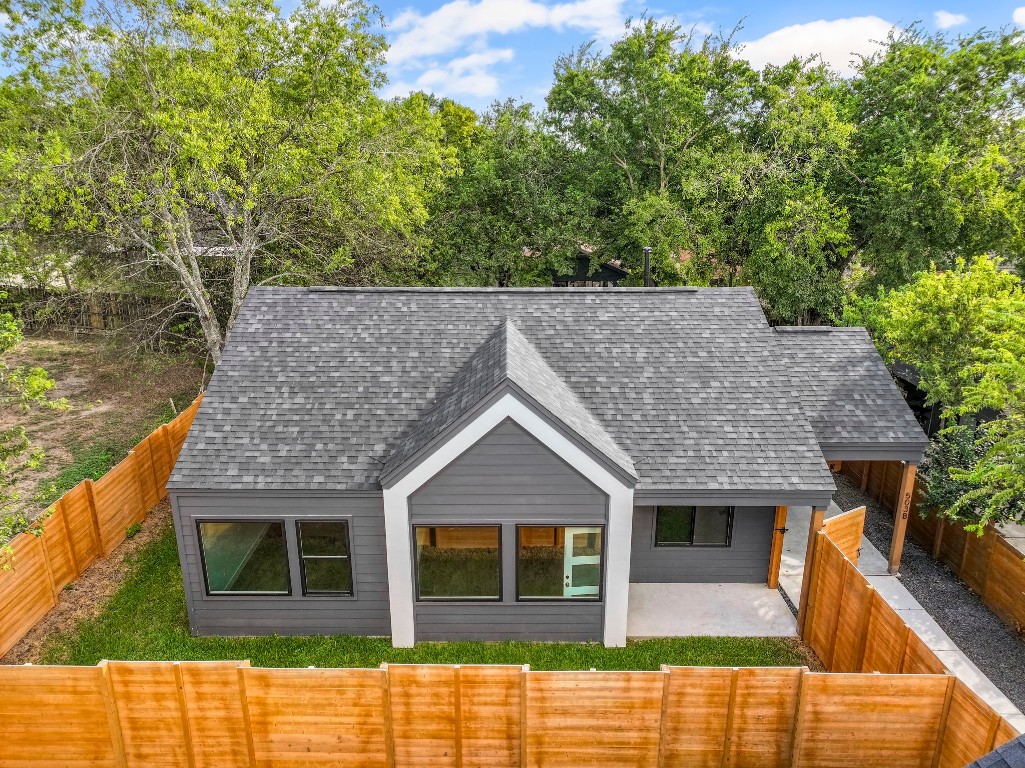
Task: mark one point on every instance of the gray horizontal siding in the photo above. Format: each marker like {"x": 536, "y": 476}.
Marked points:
{"x": 365, "y": 614}
{"x": 503, "y": 621}
{"x": 745, "y": 560}
{"x": 508, "y": 477}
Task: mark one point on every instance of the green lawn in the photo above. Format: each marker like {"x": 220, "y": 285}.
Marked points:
{"x": 146, "y": 619}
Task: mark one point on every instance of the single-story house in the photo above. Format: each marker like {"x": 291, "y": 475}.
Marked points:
{"x": 458, "y": 463}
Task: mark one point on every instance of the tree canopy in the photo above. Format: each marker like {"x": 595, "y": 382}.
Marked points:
{"x": 963, "y": 329}
{"x": 211, "y": 144}
{"x": 187, "y": 151}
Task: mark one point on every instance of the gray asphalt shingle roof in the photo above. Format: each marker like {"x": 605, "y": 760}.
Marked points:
{"x": 317, "y": 389}
{"x": 507, "y": 357}
{"x": 849, "y": 395}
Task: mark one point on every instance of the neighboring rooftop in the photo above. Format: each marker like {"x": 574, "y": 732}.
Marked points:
{"x": 322, "y": 389}
{"x": 854, "y": 406}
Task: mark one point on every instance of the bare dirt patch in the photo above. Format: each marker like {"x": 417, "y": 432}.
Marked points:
{"x": 86, "y": 598}
{"x": 115, "y": 397}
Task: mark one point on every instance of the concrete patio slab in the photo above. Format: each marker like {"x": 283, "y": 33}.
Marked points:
{"x": 685, "y": 610}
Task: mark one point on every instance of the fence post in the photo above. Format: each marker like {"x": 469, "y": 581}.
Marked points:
{"x": 524, "y": 672}
{"x": 389, "y": 732}
{"x": 937, "y": 537}
{"x": 942, "y": 731}
{"x": 662, "y": 727}
{"x": 246, "y": 721}
{"x": 863, "y": 631}
{"x": 866, "y": 468}
{"x": 46, "y": 565}
{"x": 727, "y": 742}
{"x": 798, "y": 733}
{"x": 809, "y": 586}
{"x": 139, "y": 514}
{"x": 90, "y": 498}
{"x": 166, "y": 439}
{"x": 818, "y": 515}
{"x": 904, "y": 653}
{"x": 110, "y": 704}
{"x": 183, "y": 708}
{"x": 457, "y": 706}
{"x": 71, "y": 539}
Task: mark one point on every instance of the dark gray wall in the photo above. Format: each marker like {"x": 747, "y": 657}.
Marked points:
{"x": 366, "y": 613}
{"x": 745, "y": 560}
{"x": 508, "y": 477}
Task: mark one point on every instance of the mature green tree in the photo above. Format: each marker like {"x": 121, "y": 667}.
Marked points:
{"x": 516, "y": 211}
{"x": 209, "y": 142}
{"x": 964, "y": 330}
{"x": 936, "y": 171}
{"x": 644, "y": 115}
{"x": 723, "y": 170}
{"x": 942, "y": 323}
{"x": 998, "y": 384}
{"x": 21, "y": 387}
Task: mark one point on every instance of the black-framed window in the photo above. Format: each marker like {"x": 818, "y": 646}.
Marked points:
{"x": 458, "y": 562}
{"x": 325, "y": 557}
{"x": 690, "y": 526}
{"x": 559, "y": 562}
{"x": 244, "y": 557}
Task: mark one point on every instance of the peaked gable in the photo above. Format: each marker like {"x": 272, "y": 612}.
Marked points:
{"x": 506, "y": 361}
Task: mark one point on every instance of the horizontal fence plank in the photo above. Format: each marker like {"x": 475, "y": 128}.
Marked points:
{"x": 987, "y": 564}
{"x": 87, "y": 522}
{"x": 228, "y": 714}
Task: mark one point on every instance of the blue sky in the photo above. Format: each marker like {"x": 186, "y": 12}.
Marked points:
{"x": 476, "y": 51}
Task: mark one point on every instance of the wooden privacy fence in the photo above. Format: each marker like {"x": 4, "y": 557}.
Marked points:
{"x": 228, "y": 715}
{"x": 85, "y": 523}
{"x": 993, "y": 565}
{"x": 853, "y": 629}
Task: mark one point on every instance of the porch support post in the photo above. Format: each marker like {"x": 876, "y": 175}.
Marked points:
{"x": 618, "y": 541}
{"x": 398, "y": 539}
{"x": 776, "y": 552}
{"x": 818, "y": 522}
{"x": 900, "y": 519}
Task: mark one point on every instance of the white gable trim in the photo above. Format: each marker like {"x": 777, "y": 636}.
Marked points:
{"x": 398, "y": 532}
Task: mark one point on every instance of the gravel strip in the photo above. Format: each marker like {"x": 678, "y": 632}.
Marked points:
{"x": 994, "y": 647}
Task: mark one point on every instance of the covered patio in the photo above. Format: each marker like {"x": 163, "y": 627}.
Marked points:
{"x": 713, "y": 610}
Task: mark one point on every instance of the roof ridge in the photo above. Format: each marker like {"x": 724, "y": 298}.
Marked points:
{"x": 507, "y": 356}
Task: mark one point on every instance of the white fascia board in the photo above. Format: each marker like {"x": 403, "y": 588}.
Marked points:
{"x": 398, "y": 532}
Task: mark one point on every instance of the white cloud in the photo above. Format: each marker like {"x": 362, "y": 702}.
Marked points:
{"x": 459, "y": 22}
{"x": 946, "y": 19}
{"x": 468, "y": 75}
{"x": 1019, "y": 16}
{"x": 838, "y": 42}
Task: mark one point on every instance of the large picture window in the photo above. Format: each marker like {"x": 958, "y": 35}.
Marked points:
{"x": 558, "y": 563}
{"x": 325, "y": 557}
{"x": 244, "y": 558}
{"x": 693, "y": 526}
{"x": 458, "y": 562}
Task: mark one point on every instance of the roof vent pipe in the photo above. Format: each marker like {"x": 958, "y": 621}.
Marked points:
{"x": 647, "y": 266}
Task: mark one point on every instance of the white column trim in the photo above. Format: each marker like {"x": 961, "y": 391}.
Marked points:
{"x": 398, "y": 533}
